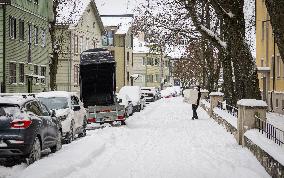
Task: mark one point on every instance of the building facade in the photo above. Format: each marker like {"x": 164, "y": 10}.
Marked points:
{"x": 150, "y": 68}
{"x": 83, "y": 31}
{"x": 24, "y": 45}
{"x": 268, "y": 60}
{"x": 119, "y": 40}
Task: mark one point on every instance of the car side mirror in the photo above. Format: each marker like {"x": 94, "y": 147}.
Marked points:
{"x": 120, "y": 101}
{"x": 129, "y": 101}
{"x": 53, "y": 113}
{"x": 76, "y": 108}
{"x": 142, "y": 97}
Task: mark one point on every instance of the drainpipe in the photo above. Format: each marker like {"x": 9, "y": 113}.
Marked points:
{"x": 273, "y": 75}
{"x": 70, "y": 62}
{"x": 3, "y": 88}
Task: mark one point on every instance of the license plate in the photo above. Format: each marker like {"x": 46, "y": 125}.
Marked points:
{"x": 2, "y": 144}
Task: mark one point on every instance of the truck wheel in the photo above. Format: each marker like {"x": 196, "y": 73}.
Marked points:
{"x": 35, "y": 153}
{"x": 58, "y": 145}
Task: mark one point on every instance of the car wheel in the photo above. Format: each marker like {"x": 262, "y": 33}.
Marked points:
{"x": 84, "y": 132}
{"x": 71, "y": 133}
{"x": 58, "y": 145}
{"x": 35, "y": 153}
{"x": 123, "y": 123}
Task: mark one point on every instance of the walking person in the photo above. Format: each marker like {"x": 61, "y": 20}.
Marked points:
{"x": 195, "y": 106}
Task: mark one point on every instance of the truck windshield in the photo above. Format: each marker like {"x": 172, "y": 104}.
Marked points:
{"x": 55, "y": 102}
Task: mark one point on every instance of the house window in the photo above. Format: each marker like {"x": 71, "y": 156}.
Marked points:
{"x": 36, "y": 35}
{"x": 35, "y": 69}
{"x": 282, "y": 104}
{"x": 76, "y": 74}
{"x": 272, "y": 64}
{"x": 87, "y": 44}
{"x": 276, "y": 104}
{"x": 128, "y": 77}
{"x": 157, "y": 78}
{"x": 262, "y": 62}
{"x": 75, "y": 44}
{"x": 21, "y": 30}
{"x": 132, "y": 60}
{"x": 12, "y": 29}
{"x": 42, "y": 74}
{"x": 278, "y": 66}
{"x": 13, "y": 73}
{"x": 30, "y": 33}
{"x": 21, "y": 73}
{"x": 81, "y": 44}
{"x": 127, "y": 58}
{"x": 156, "y": 61}
{"x": 43, "y": 38}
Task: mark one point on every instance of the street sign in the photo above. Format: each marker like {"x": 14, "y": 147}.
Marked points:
{"x": 5, "y": 2}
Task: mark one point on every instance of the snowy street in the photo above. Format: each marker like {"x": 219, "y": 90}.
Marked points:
{"x": 160, "y": 141}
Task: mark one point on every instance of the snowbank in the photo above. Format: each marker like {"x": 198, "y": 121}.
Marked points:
{"x": 277, "y": 120}
{"x": 252, "y": 103}
{"x": 274, "y": 150}
{"x": 226, "y": 116}
{"x": 69, "y": 159}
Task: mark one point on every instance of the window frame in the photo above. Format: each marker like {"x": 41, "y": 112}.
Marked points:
{"x": 13, "y": 73}
{"x": 21, "y": 73}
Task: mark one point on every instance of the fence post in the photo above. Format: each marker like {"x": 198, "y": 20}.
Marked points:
{"x": 248, "y": 108}
{"x": 214, "y": 98}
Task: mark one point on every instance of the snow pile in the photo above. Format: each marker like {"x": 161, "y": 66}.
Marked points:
{"x": 252, "y": 103}
{"x": 277, "y": 120}
{"x": 274, "y": 150}
{"x": 165, "y": 93}
{"x": 70, "y": 159}
{"x": 216, "y": 94}
{"x": 226, "y": 116}
{"x": 207, "y": 104}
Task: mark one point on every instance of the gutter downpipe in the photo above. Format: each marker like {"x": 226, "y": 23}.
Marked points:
{"x": 4, "y": 50}
{"x": 273, "y": 81}
{"x": 70, "y": 60}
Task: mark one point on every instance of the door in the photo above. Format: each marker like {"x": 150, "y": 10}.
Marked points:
{"x": 30, "y": 84}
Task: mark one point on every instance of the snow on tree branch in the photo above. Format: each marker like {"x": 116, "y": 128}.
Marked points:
{"x": 213, "y": 35}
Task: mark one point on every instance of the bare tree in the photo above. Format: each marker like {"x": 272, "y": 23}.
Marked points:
{"x": 56, "y": 38}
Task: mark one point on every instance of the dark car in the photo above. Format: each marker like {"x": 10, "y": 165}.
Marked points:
{"x": 27, "y": 128}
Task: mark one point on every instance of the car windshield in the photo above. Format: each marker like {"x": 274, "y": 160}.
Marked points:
{"x": 55, "y": 102}
{"x": 11, "y": 110}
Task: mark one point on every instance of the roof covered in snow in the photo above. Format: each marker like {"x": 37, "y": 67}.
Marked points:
{"x": 71, "y": 11}
{"x": 252, "y": 103}
{"x": 122, "y": 23}
{"x": 140, "y": 46}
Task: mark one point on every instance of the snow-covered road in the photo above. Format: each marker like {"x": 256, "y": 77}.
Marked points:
{"x": 161, "y": 141}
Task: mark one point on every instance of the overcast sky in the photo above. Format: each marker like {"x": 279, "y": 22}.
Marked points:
{"x": 111, "y": 7}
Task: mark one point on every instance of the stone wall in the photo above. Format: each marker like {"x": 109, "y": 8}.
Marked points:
{"x": 273, "y": 167}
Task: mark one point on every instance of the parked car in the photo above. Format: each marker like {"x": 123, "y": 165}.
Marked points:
{"x": 135, "y": 95}
{"x": 150, "y": 94}
{"x": 26, "y": 128}
{"x": 69, "y": 109}
{"x": 127, "y": 103}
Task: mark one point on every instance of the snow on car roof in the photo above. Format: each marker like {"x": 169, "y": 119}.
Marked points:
{"x": 17, "y": 99}
{"x": 50, "y": 94}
